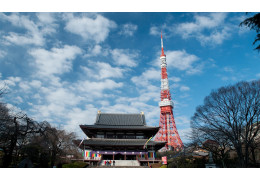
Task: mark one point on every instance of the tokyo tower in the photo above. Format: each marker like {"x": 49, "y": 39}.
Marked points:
{"x": 168, "y": 131}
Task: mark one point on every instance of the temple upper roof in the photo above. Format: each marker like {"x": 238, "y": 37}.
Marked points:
{"x": 116, "y": 122}
{"x": 114, "y": 119}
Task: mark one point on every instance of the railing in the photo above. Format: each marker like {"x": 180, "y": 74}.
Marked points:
{"x": 92, "y": 158}
{"x": 148, "y": 159}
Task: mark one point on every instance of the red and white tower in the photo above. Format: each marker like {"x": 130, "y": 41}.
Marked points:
{"x": 168, "y": 131}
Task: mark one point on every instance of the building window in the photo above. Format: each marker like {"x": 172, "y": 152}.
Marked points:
{"x": 140, "y": 136}
{"x": 110, "y": 135}
{"x": 130, "y": 136}
{"x": 120, "y": 135}
{"x": 100, "y": 135}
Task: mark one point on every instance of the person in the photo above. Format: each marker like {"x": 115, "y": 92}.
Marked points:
{"x": 110, "y": 163}
{"x": 105, "y": 162}
{"x": 114, "y": 162}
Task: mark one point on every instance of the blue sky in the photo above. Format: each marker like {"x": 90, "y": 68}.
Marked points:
{"x": 64, "y": 67}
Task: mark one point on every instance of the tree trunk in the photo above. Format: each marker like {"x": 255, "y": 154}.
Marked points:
{"x": 246, "y": 156}
{"x": 53, "y": 158}
{"x": 7, "y": 159}
{"x": 253, "y": 155}
{"x": 240, "y": 156}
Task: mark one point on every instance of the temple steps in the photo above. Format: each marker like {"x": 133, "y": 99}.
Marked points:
{"x": 119, "y": 163}
{"x": 119, "y": 167}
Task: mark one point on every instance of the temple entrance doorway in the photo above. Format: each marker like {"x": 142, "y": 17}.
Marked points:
{"x": 131, "y": 157}
{"x": 119, "y": 157}
{"x": 107, "y": 157}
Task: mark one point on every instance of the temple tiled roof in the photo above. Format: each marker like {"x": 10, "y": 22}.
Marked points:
{"x": 118, "y": 127}
{"x": 119, "y": 142}
{"x": 120, "y": 119}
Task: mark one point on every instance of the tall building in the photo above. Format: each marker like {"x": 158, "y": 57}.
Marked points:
{"x": 120, "y": 137}
{"x": 168, "y": 131}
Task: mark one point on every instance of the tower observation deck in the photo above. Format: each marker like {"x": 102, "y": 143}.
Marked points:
{"x": 168, "y": 131}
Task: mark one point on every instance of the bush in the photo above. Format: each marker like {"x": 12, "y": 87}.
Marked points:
{"x": 163, "y": 166}
{"x": 75, "y": 165}
{"x": 156, "y": 165}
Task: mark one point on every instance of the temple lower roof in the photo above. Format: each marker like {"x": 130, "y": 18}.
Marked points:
{"x": 119, "y": 142}
{"x": 118, "y": 127}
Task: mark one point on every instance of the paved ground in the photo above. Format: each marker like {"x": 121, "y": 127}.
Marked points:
{"x": 118, "y": 167}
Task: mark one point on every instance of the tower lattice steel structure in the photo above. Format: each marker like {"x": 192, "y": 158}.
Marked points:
{"x": 168, "y": 131}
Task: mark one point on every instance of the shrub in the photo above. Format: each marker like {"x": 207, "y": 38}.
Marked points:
{"x": 75, "y": 165}
{"x": 163, "y": 166}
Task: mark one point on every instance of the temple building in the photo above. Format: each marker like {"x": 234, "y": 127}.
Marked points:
{"x": 120, "y": 137}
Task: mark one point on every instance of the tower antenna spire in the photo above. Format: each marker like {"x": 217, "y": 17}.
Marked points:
{"x": 162, "y": 45}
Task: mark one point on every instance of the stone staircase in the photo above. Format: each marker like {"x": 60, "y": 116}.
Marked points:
{"x": 121, "y": 163}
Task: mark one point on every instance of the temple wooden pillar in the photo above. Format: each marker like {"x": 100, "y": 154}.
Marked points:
{"x": 113, "y": 157}
{"x": 125, "y": 157}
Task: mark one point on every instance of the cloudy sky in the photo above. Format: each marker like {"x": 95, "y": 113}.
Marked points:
{"x": 64, "y": 67}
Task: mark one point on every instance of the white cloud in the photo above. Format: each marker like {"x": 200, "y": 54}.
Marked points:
{"x": 124, "y": 57}
{"x": 11, "y": 81}
{"x": 96, "y": 50}
{"x": 35, "y": 31}
{"x": 17, "y": 39}
{"x": 174, "y": 79}
{"x": 24, "y": 86}
{"x": 94, "y": 89}
{"x": 2, "y": 54}
{"x": 77, "y": 116}
{"x": 35, "y": 83}
{"x": 96, "y": 29}
{"x": 128, "y": 29}
{"x": 185, "y": 134}
{"x": 257, "y": 75}
{"x": 63, "y": 96}
{"x": 46, "y": 17}
{"x": 54, "y": 103}
{"x": 182, "y": 120}
{"x": 146, "y": 87}
{"x": 154, "y": 31}
{"x": 145, "y": 78}
{"x": 208, "y": 29}
{"x": 55, "y": 61}
{"x": 18, "y": 99}
{"x": 216, "y": 37}
{"x": 102, "y": 70}
{"x": 181, "y": 60}
{"x": 209, "y": 21}
{"x": 228, "y": 69}
{"x": 184, "y": 88}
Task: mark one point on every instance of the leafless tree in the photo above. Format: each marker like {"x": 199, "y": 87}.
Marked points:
{"x": 14, "y": 131}
{"x": 58, "y": 143}
{"x": 18, "y": 133}
{"x": 230, "y": 114}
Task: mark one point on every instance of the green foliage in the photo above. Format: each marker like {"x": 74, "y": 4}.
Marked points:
{"x": 187, "y": 162}
{"x": 156, "y": 165}
{"x": 163, "y": 166}
{"x": 254, "y": 24}
{"x": 75, "y": 165}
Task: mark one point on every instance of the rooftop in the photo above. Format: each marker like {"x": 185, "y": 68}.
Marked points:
{"x": 115, "y": 119}
{"x": 119, "y": 142}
